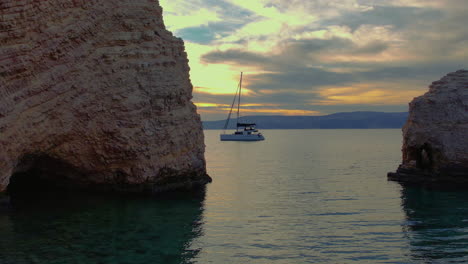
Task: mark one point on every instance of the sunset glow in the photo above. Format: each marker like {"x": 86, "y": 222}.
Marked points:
{"x": 272, "y": 111}
{"x": 372, "y": 94}
{"x": 310, "y": 57}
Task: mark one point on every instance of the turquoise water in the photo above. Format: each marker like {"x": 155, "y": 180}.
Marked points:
{"x": 300, "y": 196}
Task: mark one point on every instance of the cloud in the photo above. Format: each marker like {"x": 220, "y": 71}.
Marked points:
{"x": 298, "y": 79}
{"x": 321, "y": 55}
{"x": 235, "y": 56}
{"x": 397, "y": 16}
{"x": 177, "y": 16}
{"x": 295, "y": 53}
{"x": 181, "y": 16}
{"x": 375, "y": 47}
{"x": 274, "y": 111}
{"x": 366, "y": 93}
{"x": 439, "y": 4}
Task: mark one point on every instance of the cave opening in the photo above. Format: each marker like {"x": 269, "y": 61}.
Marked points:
{"x": 425, "y": 157}
{"x": 40, "y": 176}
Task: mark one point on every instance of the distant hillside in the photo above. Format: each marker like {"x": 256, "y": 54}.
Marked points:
{"x": 337, "y": 121}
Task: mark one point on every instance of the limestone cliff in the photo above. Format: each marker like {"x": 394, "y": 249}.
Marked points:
{"x": 96, "y": 93}
{"x": 435, "y": 137}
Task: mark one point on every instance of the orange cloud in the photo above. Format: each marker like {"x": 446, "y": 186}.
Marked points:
{"x": 373, "y": 94}
{"x": 210, "y": 105}
{"x": 225, "y": 106}
{"x": 277, "y": 111}
{"x": 259, "y": 105}
{"x": 218, "y": 91}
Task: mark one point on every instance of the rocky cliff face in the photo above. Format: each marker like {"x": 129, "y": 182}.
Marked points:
{"x": 435, "y": 137}
{"x": 96, "y": 94}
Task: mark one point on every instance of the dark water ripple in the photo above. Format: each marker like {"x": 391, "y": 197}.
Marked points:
{"x": 96, "y": 229}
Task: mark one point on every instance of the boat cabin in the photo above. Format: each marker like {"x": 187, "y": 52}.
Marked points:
{"x": 250, "y": 127}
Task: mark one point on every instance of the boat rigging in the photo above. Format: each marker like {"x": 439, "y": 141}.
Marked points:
{"x": 245, "y": 131}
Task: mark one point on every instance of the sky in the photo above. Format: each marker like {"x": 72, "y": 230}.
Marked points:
{"x": 317, "y": 57}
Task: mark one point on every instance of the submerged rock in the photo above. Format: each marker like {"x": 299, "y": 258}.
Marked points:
{"x": 435, "y": 137}
{"x": 96, "y": 94}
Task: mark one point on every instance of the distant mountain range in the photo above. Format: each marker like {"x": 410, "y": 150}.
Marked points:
{"x": 358, "y": 120}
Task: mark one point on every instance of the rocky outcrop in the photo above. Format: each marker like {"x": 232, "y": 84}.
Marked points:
{"x": 96, "y": 94}
{"x": 435, "y": 137}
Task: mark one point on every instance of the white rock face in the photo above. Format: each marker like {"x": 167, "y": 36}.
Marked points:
{"x": 96, "y": 93}
{"x": 435, "y": 137}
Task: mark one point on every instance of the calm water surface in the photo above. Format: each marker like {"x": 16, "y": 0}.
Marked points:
{"x": 301, "y": 196}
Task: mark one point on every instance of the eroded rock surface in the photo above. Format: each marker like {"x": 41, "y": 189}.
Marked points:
{"x": 96, "y": 93}
{"x": 435, "y": 137}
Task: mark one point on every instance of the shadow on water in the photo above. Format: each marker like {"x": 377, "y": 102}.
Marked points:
{"x": 437, "y": 223}
{"x": 84, "y": 228}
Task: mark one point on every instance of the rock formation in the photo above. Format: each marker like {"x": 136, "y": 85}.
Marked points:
{"x": 435, "y": 137}
{"x": 96, "y": 94}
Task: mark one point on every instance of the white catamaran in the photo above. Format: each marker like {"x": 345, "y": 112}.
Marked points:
{"x": 244, "y": 131}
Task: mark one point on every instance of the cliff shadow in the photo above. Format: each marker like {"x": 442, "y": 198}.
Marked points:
{"x": 102, "y": 229}
{"x": 40, "y": 175}
{"x": 436, "y": 223}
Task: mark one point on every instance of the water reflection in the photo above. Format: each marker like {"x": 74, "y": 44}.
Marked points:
{"x": 97, "y": 229}
{"x": 437, "y": 223}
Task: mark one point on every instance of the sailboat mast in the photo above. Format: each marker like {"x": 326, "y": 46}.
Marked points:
{"x": 230, "y": 111}
{"x": 239, "y": 102}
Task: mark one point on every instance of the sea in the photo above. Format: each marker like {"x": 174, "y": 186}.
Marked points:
{"x": 300, "y": 196}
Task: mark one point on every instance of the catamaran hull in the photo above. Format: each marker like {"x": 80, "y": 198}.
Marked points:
{"x": 231, "y": 137}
